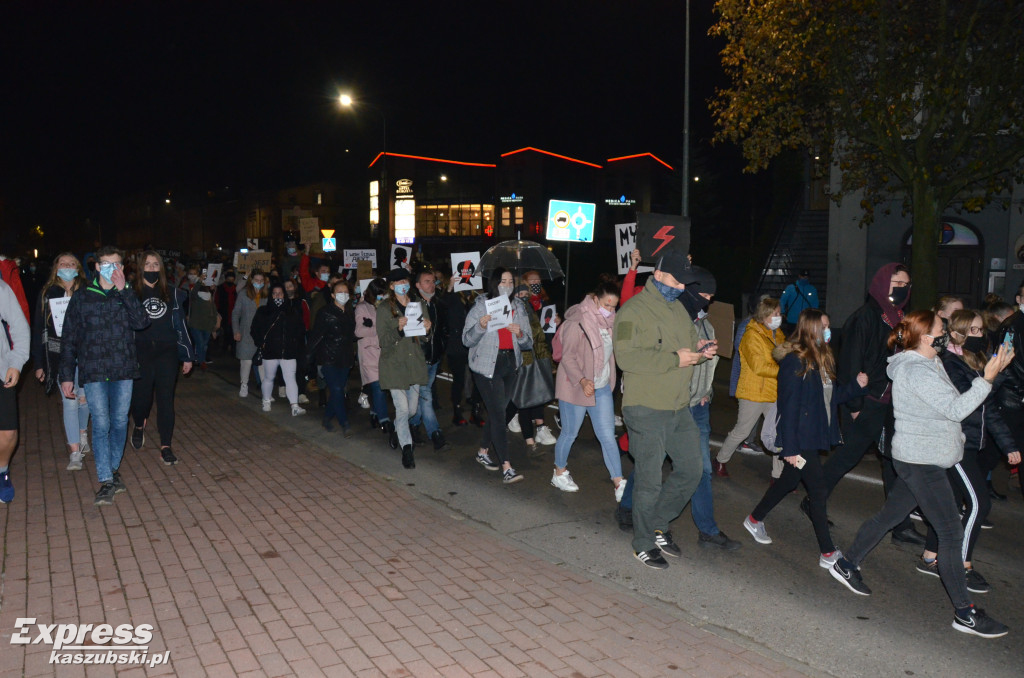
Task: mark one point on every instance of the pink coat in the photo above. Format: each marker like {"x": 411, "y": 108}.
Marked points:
{"x": 367, "y": 346}
{"x": 580, "y": 334}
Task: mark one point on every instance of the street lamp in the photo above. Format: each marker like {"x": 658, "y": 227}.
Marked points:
{"x": 346, "y": 101}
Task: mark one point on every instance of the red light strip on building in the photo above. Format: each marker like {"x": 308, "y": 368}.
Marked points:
{"x": 553, "y": 155}
{"x": 641, "y": 155}
{"x": 420, "y": 157}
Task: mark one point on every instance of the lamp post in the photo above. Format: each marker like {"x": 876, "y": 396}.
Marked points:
{"x": 686, "y": 120}
{"x": 383, "y": 199}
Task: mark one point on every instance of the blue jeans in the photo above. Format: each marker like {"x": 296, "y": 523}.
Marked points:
{"x": 425, "y": 413}
{"x": 76, "y": 414}
{"x": 109, "y": 402}
{"x": 379, "y": 401}
{"x": 336, "y": 378}
{"x": 405, "y": 404}
{"x": 702, "y": 506}
{"x": 201, "y": 338}
{"x": 602, "y": 418}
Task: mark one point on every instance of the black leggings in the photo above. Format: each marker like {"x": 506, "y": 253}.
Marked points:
{"x": 970, "y": 489}
{"x": 158, "y": 373}
{"x": 814, "y": 480}
{"x": 496, "y": 393}
{"x": 458, "y": 364}
{"x": 526, "y": 417}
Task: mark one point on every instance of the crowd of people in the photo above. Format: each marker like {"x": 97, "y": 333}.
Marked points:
{"x": 938, "y": 392}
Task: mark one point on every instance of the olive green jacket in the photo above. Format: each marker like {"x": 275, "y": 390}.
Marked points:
{"x": 402, "y": 364}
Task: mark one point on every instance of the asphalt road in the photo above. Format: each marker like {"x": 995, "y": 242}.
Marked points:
{"x": 774, "y": 598}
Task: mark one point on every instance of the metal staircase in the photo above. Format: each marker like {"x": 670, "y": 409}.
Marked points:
{"x": 802, "y": 243}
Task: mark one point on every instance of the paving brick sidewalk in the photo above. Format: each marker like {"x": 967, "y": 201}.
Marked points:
{"x": 257, "y": 556}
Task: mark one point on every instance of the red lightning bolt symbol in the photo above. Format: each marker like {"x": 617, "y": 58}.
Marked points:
{"x": 664, "y": 236}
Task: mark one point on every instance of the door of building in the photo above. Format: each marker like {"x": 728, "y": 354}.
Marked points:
{"x": 960, "y": 271}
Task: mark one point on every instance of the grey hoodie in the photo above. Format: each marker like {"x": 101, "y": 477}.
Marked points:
{"x": 11, "y": 313}
{"x": 929, "y": 409}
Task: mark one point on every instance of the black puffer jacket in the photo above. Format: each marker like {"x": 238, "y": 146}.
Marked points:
{"x": 279, "y": 330}
{"x": 99, "y": 335}
{"x": 334, "y": 336}
{"x": 985, "y": 421}
{"x": 456, "y": 306}
{"x": 1011, "y": 394}
{"x": 865, "y": 349}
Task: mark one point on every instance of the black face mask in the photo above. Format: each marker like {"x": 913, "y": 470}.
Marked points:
{"x": 899, "y": 296}
{"x": 279, "y": 302}
{"x": 940, "y": 342}
{"x": 976, "y": 344}
{"x": 152, "y": 277}
{"x": 693, "y": 303}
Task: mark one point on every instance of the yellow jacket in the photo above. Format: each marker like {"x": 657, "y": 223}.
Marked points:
{"x": 758, "y": 370}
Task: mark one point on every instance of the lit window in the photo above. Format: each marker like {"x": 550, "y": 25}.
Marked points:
{"x": 319, "y": 198}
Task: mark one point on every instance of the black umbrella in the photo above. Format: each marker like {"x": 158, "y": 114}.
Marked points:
{"x": 520, "y": 256}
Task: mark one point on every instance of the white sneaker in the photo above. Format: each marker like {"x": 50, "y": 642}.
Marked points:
{"x": 83, "y": 443}
{"x": 827, "y": 562}
{"x": 618, "y": 422}
{"x": 296, "y": 410}
{"x": 514, "y": 425}
{"x": 544, "y": 436}
{"x": 303, "y": 400}
{"x": 620, "y": 490}
{"x": 76, "y": 462}
{"x": 364, "y": 401}
{"x": 243, "y": 391}
{"x": 266, "y": 405}
{"x": 564, "y": 482}
{"x": 281, "y": 393}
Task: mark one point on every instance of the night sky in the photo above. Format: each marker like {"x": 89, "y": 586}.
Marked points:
{"x": 101, "y": 99}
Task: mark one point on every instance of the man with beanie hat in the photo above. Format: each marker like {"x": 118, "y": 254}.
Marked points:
{"x": 656, "y": 346}
{"x": 869, "y": 420}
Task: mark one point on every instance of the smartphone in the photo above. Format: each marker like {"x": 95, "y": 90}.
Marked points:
{"x": 800, "y": 461}
{"x": 1008, "y": 340}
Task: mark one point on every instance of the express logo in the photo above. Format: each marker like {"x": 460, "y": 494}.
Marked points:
{"x": 90, "y": 643}
{"x": 155, "y": 307}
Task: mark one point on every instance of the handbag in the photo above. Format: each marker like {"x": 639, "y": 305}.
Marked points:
{"x": 534, "y": 384}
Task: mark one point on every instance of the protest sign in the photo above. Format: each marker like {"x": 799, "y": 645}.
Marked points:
{"x": 58, "y": 307}
{"x": 723, "y": 319}
{"x": 547, "y": 319}
{"x": 414, "y": 314}
{"x": 353, "y": 257}
{"x": 625, "y": 243}
{"x": 212, "y": 275}
{"x": 364, "y": 269}
{"x": 401, "y": 256}
{"x": 252, "y": 261}
{"x": 309, "y": 233}
{"x": 658, "y": 233}
{"x": 500, "y": 311}
{"x": 464, "y": 266}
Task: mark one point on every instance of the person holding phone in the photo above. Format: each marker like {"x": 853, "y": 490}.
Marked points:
{"x": 99, "y": 342}
{"x": 928, "y": 440}
{"x": 809, "y": 399}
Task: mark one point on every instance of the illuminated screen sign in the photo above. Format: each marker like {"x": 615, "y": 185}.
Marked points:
{"x": 571, "y": 221}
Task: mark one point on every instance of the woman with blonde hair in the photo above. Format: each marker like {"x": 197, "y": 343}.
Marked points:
{"x": 66, "y": 277}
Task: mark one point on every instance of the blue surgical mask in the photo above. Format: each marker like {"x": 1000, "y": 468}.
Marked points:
{"x": 826, "y": 334}
{"x": 257, "y": 286}
{"x": 67, "y": 274}
{"x": 325, "y": 276}
{"x": 670, "y": 293}
{"x": 107, "y": 271}
{"x": 402, "y": 289}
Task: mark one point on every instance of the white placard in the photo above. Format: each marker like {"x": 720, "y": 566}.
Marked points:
{"x": 58, "y": 307}
{"x": 464, "y": 266}
{"x": 353, "y": 257}
{"x": 547, "y": 319}
{"x": 401, "y": 257}
{"x": 501, "y": 313}
{"x": 625, "y": 243}
{"x": 362, "y": 285}
{"x": 212, "y": 278}
{"x": 414, "y": 313}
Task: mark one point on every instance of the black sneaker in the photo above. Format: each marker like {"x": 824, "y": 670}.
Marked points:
{"x": 417, "y": 435}
{"x": 105, "y": 497}
{"x": 975, "y": 621}
{"x": 408, "y": 459}
{"x": 168, "y": 456}
{"x": 652, "y": 559}
{"x": 624, "y": 517}
{"x": 975, "y": 582}
{"x": 909, "y": 536}
{"x": 510, "y": 476}
{"x": 717, "y": 541}
{"x": 138, "y": 437}
{"x": 439, "y": 442}
{"x": 118, "y": 484}
{"x": 916, "y": 515}
{"x": 850, "y": 578}
{"x": 924, "y": 567}
{"x": 665, "y": 543}
{"x": 986, "y": 524}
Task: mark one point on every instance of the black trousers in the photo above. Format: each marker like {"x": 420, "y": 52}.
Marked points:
{"x": 496, "y": 393}
{"x": 458, "y": 365}
{"x": 526, "y": 417}
{"x": 873, "y": 426}
{"x": 158, "y": 368}
{"x": 812, "y": 476}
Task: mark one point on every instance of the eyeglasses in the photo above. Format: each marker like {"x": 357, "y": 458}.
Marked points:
{"x": 976, "y": 331}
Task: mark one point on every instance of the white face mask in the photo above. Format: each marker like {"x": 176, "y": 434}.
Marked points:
{"x": 341, "y": 298}
{"x": 774, "y": 323}
{"x": 205, "y": 296}
{"x": 505, "y": 289}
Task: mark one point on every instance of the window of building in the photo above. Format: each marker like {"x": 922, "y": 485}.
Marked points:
{"x": 454, "y": 220}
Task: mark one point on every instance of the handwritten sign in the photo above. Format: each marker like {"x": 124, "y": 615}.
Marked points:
{"x": 58, "y": 307}
{"x": 351, "y": 258}
{"x": 364, "y": 269}
{"x": 212, "y": 278}
{"x": 464, "y": 266}
{"x": 309, "y": 233}
{"x": 547, "y": 319}
{"x": 625, "y": 243}
{"x": 501, "y": 313}
{"x": 246, "y": 262}
{"x": 414, "y": 314}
